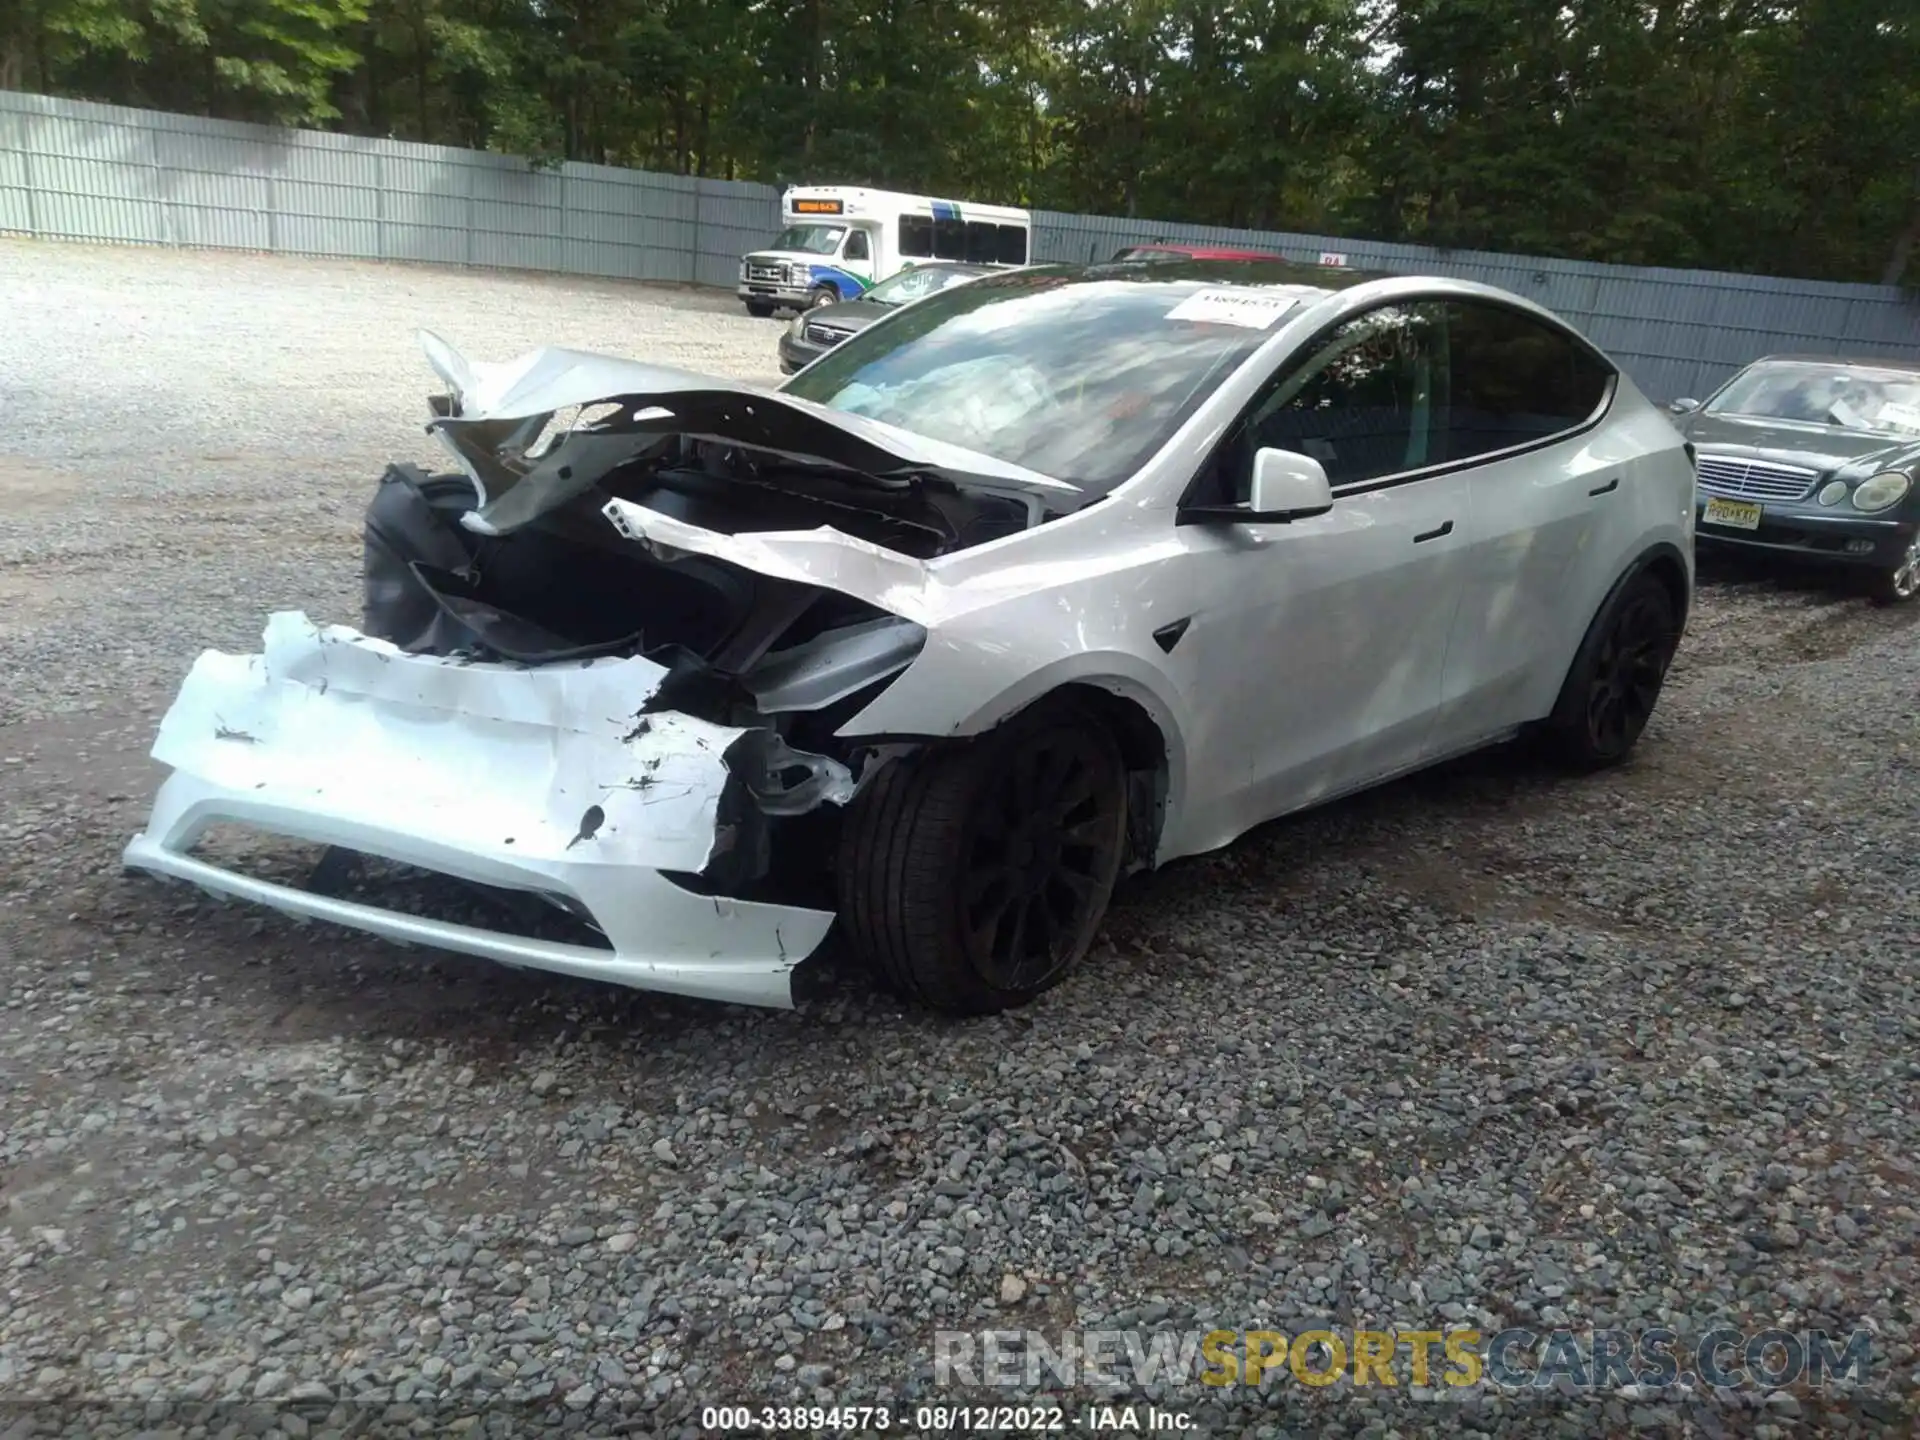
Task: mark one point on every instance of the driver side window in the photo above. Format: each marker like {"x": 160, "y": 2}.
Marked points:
{"x": 1363, "y": 403}
{"x": 856, "y": 248}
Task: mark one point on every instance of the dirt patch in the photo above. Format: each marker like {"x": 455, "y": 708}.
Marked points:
{"x": 28, "y": 487}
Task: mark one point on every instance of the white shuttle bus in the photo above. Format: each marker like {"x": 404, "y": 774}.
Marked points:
{"x": 838, "y": 242}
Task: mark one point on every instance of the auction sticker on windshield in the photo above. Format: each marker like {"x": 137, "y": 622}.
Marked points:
{"x": 1255, "y": 309}
{"x": 1899, "y": 417}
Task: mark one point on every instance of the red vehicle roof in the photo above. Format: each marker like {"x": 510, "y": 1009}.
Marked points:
{"x": 1198, "y": 252}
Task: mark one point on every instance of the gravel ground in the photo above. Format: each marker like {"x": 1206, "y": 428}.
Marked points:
{"x": 1487, "y": 1047}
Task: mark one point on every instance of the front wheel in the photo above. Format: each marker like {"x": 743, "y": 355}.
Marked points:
{"x": 822, "y": 295}
{"x": 1901, "y": 582}
{"x": 759, "y": 309}
{"x": 1616, "y": 677}
{"x": 974, "y": 878}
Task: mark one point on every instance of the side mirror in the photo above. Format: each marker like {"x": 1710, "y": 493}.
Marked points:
{"x": 1286, "y": 486}
{"x": 1682, "y": 407}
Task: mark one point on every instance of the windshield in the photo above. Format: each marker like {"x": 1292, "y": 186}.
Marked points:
{"x": 1081, "y": 379}
{"x": 811, "y": 239}
{"x": 916, "y": 284}
{"x": 1849, "y": 397}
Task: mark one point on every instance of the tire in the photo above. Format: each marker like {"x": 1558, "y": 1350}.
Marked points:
{"x": 822, "y": 295}
{"x": 1898, "y": 584}
{"x": 1616, "y": 676}
{"x": 759, "y": 309}
{"x": 1029, "y": 820}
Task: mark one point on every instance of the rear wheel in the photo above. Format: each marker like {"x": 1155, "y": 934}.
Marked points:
{"x": 1615, "y": 681}
{"x": 973, "y": 879}
{"x": 1901, "y": 582}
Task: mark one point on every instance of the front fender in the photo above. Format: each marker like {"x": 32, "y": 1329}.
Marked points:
{"x": 955, "y": 691}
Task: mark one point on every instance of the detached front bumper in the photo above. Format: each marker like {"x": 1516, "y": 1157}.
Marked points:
{"x": 1814, "y": 532}
{"x": 548, "y": 780}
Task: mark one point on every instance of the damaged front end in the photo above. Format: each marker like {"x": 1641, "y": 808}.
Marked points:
{"x": 604, "y": 665}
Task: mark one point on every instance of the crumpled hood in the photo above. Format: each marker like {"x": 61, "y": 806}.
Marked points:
{"x": 498, "y": 410}
{"x": 1825, "y": 448}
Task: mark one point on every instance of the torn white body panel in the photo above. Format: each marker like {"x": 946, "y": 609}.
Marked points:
{"x": 544, "y": 381}
{"x": 541, "y": 780}
{"x": 824, "y": 556}
{"x": 499, "y": 411}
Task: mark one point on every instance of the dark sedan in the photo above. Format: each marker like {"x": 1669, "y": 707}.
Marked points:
{"x": 814, "y": 332}
{"x": 1816, "y": 459}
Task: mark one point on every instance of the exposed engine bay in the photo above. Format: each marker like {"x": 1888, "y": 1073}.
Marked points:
{"x": 529, "y": 557}
{"x": 603, "y": 665}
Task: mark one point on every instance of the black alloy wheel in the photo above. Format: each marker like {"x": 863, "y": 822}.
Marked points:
{"x": 1039, "y": 857}
{"x": 1616, "y": 677}
{"x": 1628, "y": 672}
{"x": 973, "y": 877}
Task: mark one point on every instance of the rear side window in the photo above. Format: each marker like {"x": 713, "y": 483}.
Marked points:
{"x": 1515, "y": 380}
{"x": 1011, "y": 244}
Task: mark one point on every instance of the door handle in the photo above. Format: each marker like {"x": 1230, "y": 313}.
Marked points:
{"x": 1608, "y": 488}
{"x": 1446, "y": 529}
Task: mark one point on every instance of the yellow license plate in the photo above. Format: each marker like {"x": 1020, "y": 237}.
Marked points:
{"x": 1740, "y": 514}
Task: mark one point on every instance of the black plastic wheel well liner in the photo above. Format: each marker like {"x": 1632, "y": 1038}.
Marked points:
{"x": 1142, "y": 746}
{"x": 1666, "y": 564}
{"x": 1143, "y": 751}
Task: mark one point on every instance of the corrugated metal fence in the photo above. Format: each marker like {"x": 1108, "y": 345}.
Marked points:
{"x": 75, "y": 170}
{"x": 72, "y": 170}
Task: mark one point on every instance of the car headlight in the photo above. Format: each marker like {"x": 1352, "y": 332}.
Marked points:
{"x": 799, "y": 325}
{"x": 1883, "y": 490}
{"x": 1833, "y": 492}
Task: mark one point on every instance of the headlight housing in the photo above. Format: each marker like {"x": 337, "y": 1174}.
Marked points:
{"x": 1833, "y": 492}
{"x": 1882, "y": 492}
{"x": 799, "y": 325}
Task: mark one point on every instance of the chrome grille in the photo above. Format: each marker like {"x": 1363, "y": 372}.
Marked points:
{"x": 825, "y": 335}
{"x": 1754, "y": 479}
{"x": 772, "y": 274}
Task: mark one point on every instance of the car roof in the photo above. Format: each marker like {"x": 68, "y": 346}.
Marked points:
{"x": 1206, "y": 252}
{"x": 1863, "y": 362}
{"x": 1292, "y": 273}
{"x": 968, "y": 266}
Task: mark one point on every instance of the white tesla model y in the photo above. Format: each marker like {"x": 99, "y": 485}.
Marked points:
{"x": 1049, "y": 577}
